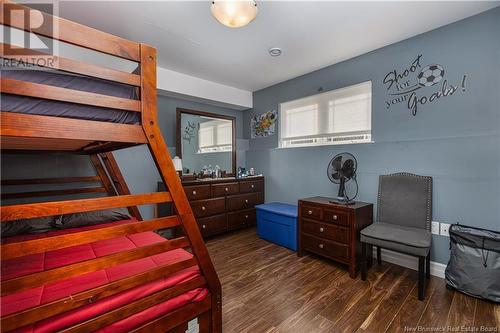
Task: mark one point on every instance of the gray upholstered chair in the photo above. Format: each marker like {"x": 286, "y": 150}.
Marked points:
{"x": 403, "y": 223}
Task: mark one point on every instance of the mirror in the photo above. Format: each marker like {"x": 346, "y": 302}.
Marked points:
{"x": 206, "y": 139}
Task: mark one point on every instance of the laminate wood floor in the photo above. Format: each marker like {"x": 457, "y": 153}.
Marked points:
{"x": 267, "y": 288}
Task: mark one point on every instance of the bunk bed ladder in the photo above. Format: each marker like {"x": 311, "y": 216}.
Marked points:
{"x": 211, "y": 321}
{"x": 112, "y": 179}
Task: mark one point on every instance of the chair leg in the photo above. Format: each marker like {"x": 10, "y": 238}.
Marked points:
{"x": 421, "y": 278}
{"x": 363, "y": 261}
{"x": 369, "y": 256}
{"x": 428, "y": 266}
{"x": 379, "y": 255}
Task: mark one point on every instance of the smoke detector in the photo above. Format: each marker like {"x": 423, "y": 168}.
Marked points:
{"x": 275, "y": 51}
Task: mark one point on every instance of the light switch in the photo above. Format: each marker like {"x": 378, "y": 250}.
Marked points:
{"x": 435, "y": 228}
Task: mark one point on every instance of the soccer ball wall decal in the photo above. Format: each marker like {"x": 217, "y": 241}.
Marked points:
{"x": 430, "y": 75}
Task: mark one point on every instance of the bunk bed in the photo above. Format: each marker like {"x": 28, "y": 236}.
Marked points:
{"x": 110, "y": 277}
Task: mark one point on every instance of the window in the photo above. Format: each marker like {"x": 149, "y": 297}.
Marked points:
{"x": 215, "y": 136}
{"x": 335, "y": 117}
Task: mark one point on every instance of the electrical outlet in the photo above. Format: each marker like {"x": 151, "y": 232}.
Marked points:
{"x": 444, "y": 231}
{"x": 435, "y": 228}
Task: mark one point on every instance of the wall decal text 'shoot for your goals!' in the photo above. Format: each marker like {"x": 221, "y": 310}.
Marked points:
{"x": 417, "y": 85}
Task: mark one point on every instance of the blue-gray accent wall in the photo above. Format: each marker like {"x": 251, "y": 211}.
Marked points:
{"x": 135, "y": 163}
{"x": 455, "y": 139}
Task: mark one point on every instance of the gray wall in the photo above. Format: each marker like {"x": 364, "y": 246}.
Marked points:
{"x": 136, "y": 163}
{"x": 455, "y": 139}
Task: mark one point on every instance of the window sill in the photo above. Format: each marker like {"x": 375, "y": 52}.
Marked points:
{"x": 327, "y": 144}
{"x": 214, "y": 152}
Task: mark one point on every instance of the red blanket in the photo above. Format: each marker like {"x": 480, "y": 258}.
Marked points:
{"x": 50, "y": 292}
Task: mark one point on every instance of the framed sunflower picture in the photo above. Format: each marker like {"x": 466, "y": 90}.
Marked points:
{"x": 263, "y": 125}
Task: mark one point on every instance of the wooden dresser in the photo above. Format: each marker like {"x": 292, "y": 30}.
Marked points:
{"x": 225, "y": 204}
{"x": 332, "y": 230}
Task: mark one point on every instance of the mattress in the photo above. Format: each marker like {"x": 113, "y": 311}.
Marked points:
{"x": 57, "y": 290}
{"x": 45, "y": 107}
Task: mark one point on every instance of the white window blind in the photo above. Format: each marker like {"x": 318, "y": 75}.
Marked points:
{"x": 215, "y": 136}
{"x": 335, "y": 117}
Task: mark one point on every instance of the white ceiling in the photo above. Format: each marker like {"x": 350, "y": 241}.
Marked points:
{"x": 312, "y": 34}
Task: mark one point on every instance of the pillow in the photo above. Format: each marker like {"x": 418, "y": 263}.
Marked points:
{"x": 28, "y": 226}
{"x": 92, "y": 218}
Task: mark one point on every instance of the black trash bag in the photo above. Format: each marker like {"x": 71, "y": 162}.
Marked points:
{"x": 474, "y": 266}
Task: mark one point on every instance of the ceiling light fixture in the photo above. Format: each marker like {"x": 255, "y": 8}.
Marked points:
{"x": 234, "y": 14}
{"x": 275, "y": 51}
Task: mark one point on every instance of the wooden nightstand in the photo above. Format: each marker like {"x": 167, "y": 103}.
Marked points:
{"x": 332, "y": 230}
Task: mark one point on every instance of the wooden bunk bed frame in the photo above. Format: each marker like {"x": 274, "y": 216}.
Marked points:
{"x": 26, "y": 132}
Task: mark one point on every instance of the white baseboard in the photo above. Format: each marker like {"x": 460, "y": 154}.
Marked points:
{"x": 437, "y": 269}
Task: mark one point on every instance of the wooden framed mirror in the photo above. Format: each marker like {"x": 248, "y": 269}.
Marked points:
{"x": 205, "y": 139}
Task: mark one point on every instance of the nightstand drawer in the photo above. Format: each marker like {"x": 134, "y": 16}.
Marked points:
{"x": 336, "y": 216}
{"x": 251, "y": 186}
{"x": 197, "y": 192}
{"x": 312, "y": 212}
{"x": 325, "y": 230}
{"x": 202, "y": 208}
{"x": 219, "y": 190}
{"x": 212, "y": 225}
{"x": 325, "y": 247}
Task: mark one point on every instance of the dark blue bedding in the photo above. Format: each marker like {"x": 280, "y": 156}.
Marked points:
{"x": 37, "y": 106}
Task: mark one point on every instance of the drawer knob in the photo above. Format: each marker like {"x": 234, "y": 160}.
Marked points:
{"x": 194, "y": 192}
{"x": 226, "y": 189}
{"x": 246, "y": 200}
{"x": 309, "y": 212}
{"x": 246, "y": 216}
{"x": 321, "y": 246}
{"x": 321, "y": 230}
{"x": 253, "y": 186}
{"x": 204, "y": 226}
{"x": 335, "y": 217}
{"x": 203, "y": 208}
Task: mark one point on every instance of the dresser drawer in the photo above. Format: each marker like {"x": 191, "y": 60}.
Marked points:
{"x": 219, "y": 190}
{"x": 251, "y": 186}
{"x": 202, "y": 208}
{"x": 213, "y": 224}
{"x": 312, "y": 212}
{"x": 241, "y": 219}
{"x": 325, "y": 230}
{"x": 197, "y": 192}
{"x": 336, "y": 216}
{"x": 243, "y": 201}
{"x": 325, "y": 247}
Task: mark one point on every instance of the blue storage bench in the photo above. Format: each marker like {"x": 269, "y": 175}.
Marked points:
{"x": 277, "y": 223}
